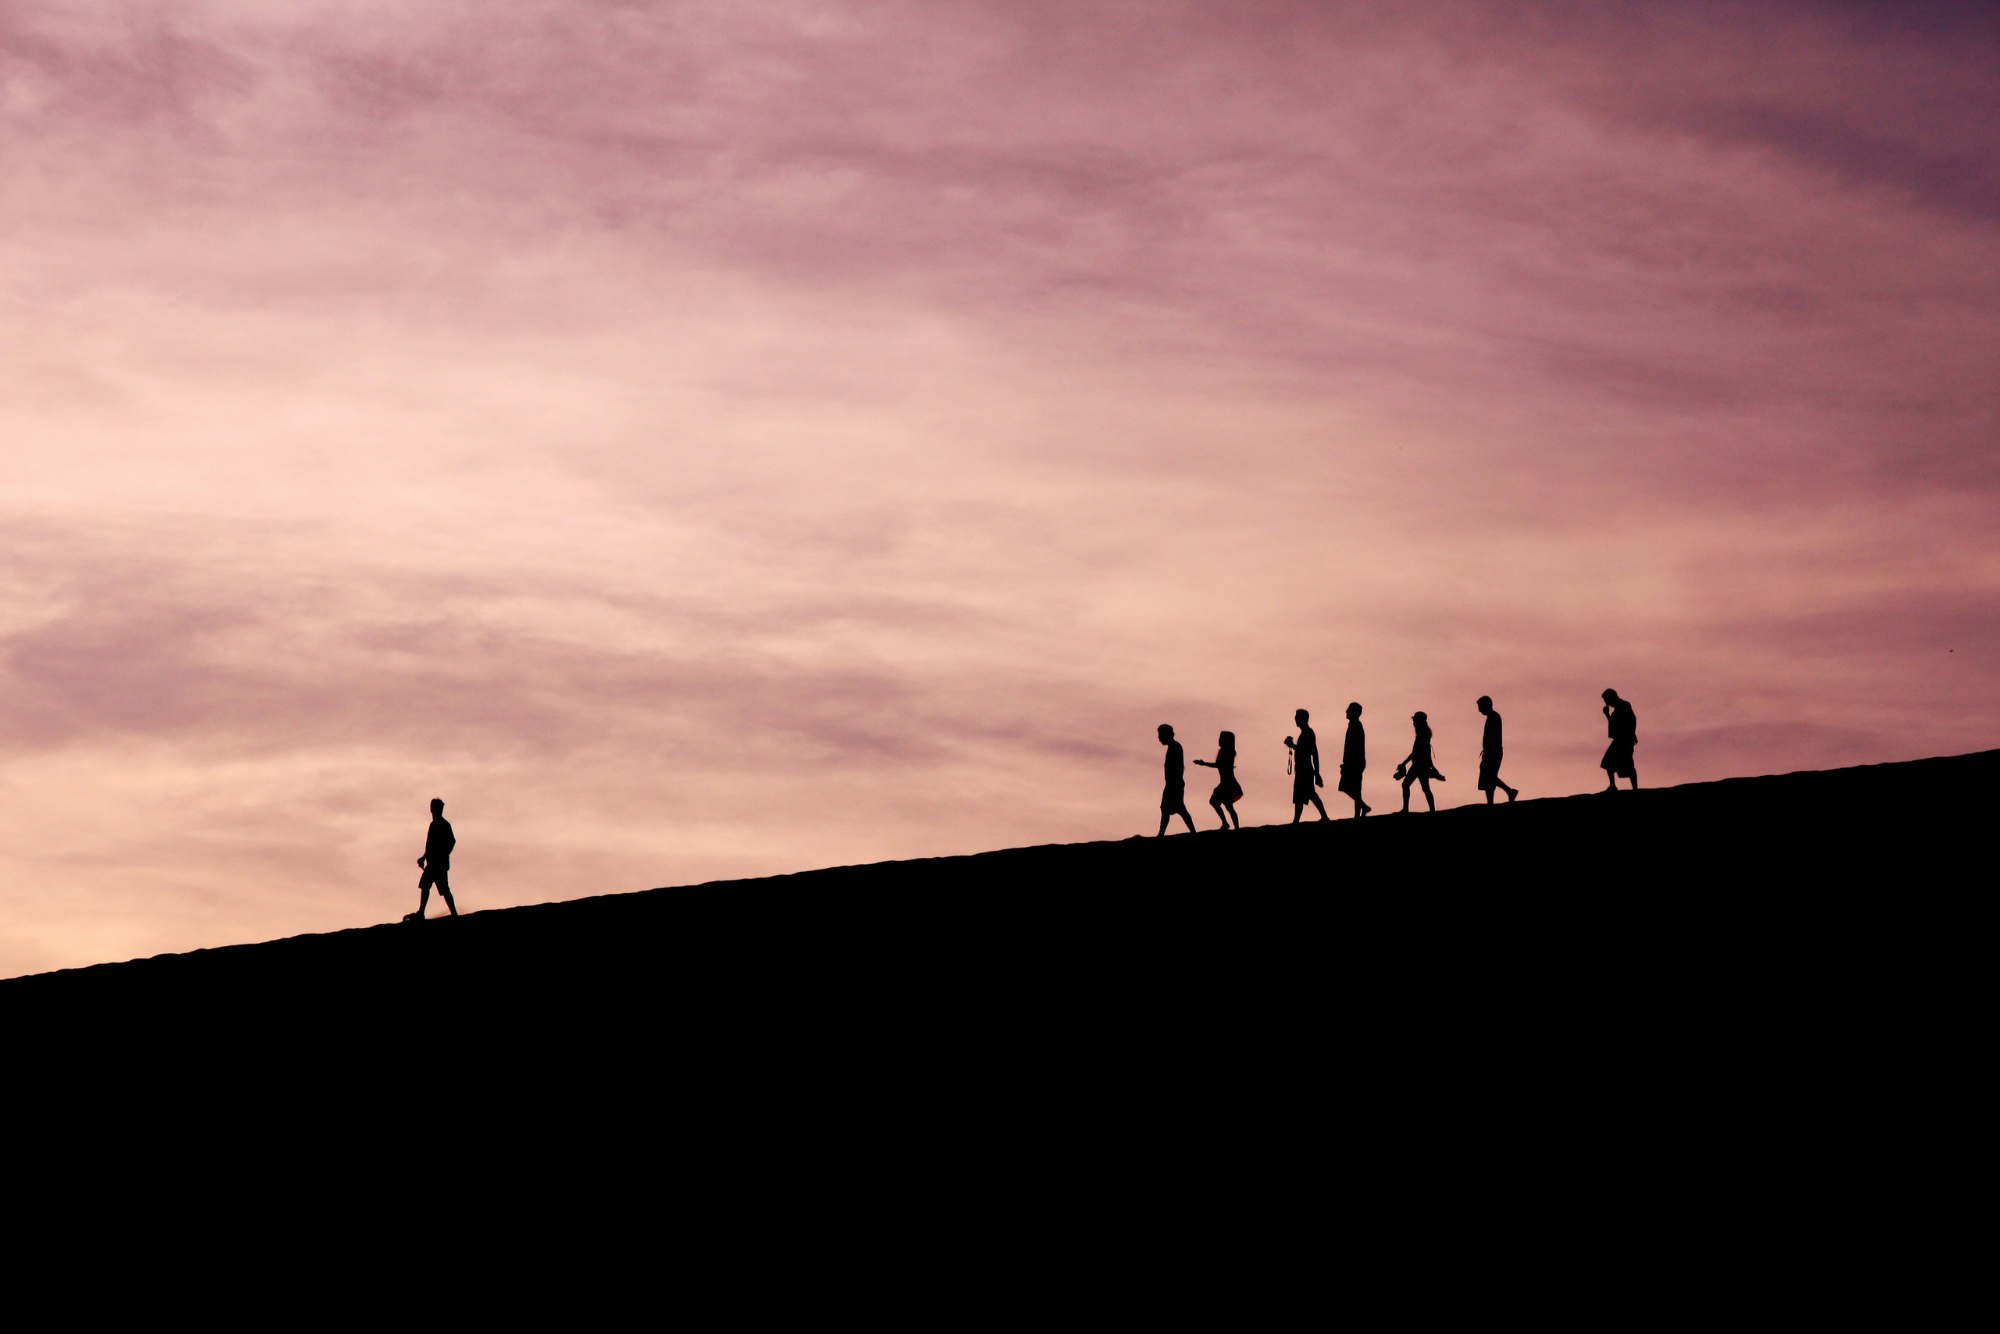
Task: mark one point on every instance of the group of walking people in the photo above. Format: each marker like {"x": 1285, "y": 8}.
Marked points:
{"x": 1417, "y": 769}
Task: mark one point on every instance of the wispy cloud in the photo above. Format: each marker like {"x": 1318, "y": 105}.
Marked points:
{"x": 701, "y": 440}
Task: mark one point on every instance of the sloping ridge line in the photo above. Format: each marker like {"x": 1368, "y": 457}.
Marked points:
{"x": 1751, "y": 842}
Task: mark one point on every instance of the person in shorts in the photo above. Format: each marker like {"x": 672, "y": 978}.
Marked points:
{"x": 1623, "y": 725}
{"x": 436, "y": 862}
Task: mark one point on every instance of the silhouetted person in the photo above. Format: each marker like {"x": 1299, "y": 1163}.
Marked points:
{"x": 1490, "y": 751}
{"x": 1305, "y": 769}
{"x": 1354, "y": 759}
{"x": 1173, "y": 801}
{"x": 1623, "y": 725}
{"x": 1417, "y": 768}
{"x": 1227, "y": 790}
{"x": 436, "y": 862}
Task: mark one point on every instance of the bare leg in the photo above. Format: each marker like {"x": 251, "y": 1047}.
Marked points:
{"x": 1429, "y": 800}
{"x": 1406, "y": 794}
{"x": 1220, "y": 814}
{"x": 445, "y": 894}
{"x": 1164, "y": 815}
{"x": 1635, "y": 780}
{"x": 1489, "y": 796}
{"x": 1298, "y": 809}
{"x": 1319, "y": 806}
{"x": 1188, "y": 818}
{"x": 1228, "y": 814}
{"x": 1512, "y": 792}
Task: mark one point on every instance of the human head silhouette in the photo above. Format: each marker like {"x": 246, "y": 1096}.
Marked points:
{"x": 1166, "y": 734}
{"x": 1354, "y": 710}
{"x": 1300, "y": 717}
{"x": 1227, "y": 741}
{"x": 1485, "y": 704}
{"x": 1610, "y": 695}
{"x": 437, "y": 805}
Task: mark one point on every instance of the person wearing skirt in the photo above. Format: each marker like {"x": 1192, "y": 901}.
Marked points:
{"x": 1418, "y": 768}
{"x": 1227, "y": 792}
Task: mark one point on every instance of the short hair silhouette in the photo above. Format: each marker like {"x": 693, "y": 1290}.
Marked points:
{"x": 1305, "y": 769}
{"x": 1490, "y": 752}
{"x": 1623, "y": 726}
{"x": 1173, "y": 795}
{"x": 1354, "y": 759}
{"x": 436, "y": 861}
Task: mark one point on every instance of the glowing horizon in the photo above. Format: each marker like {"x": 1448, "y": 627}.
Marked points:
{"x": 698, "y": 443}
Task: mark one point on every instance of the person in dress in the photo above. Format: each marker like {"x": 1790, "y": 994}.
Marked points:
{"x": 1623, "y": 725}
{"x": 1418, "y": 768}
{"x": 1305, "y": 769}
{"x": 1173, "y": 800}
{"x": 1354, "y": 759}
{"x": 1490, "y": 751}
{"x": 1226, "y": 793}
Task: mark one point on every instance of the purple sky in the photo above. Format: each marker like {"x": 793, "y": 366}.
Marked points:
{"x": 711, "y": 440}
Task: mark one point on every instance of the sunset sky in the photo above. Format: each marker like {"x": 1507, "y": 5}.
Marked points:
{"x": 709, "y": 440}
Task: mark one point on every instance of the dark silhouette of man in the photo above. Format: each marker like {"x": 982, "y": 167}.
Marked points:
{"x": 1305, "y": 769}
{"x": 436, "y": 862}
{"x": 1489, "y": 754}
{"x": 1173, "y": 801}
{"x": 1623, "y": 725}
{"x": 1354, "y": 759}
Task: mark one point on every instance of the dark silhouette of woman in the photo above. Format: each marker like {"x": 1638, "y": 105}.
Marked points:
{"x": 1227, "y": 790}
{"x": 1490, "y": 752}
{"x": 1353, "y": 759}
{"x": 1623, "y": 725}
{"x": 1417, "y": 768}
{"x": 1305, "y": 769}
{"x": 1173, "y": 800}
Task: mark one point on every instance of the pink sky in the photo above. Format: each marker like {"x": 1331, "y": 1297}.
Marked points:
{"x": 713, "y": 440}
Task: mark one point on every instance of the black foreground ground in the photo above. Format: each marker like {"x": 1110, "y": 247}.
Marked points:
{"x": 1670, "y": 896}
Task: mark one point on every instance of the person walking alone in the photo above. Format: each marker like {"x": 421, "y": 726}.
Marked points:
{"x": 1489, "y": 754}
{"x": 436, "y": 862}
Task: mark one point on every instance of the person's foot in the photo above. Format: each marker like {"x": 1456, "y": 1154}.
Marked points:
{"x": 413, "y": 917}
{"x": 1513, "y": 792}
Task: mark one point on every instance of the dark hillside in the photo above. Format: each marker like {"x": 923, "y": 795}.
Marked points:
{"x": 1666, "y": 894}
